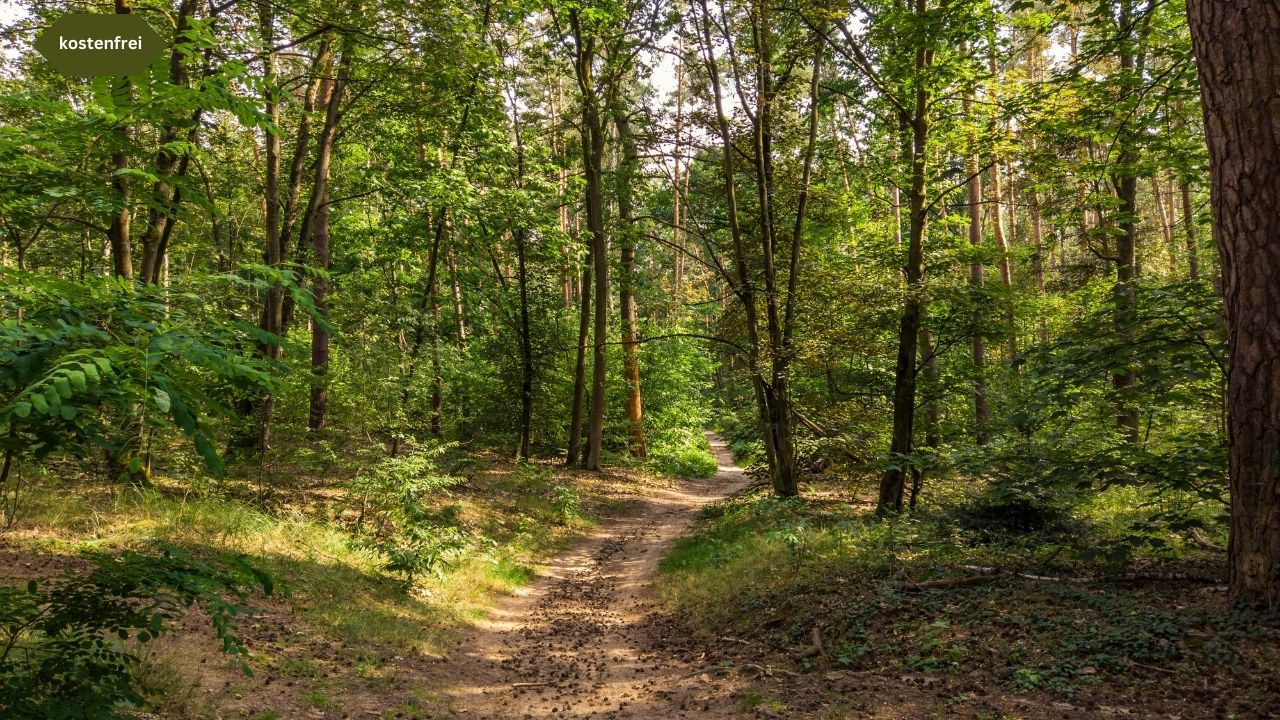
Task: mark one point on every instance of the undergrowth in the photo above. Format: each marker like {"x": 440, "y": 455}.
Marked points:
{"x": 773, "y": 571}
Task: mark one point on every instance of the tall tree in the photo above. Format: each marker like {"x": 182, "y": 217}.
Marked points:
{"x": 1237, "y": 44}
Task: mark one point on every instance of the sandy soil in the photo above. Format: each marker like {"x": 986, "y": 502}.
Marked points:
{"x": 586, "y": 640}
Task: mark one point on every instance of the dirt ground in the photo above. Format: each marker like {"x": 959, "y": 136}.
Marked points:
{"x": 585, "y": 640}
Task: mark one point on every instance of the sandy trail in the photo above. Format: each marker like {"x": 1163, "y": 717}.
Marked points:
{"x": 584, "y": 640}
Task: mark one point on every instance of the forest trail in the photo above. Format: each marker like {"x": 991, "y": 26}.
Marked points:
{"x": 584, "y": 640}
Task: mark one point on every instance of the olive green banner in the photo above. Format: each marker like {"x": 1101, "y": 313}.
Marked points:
{"x": 87, "y": 44}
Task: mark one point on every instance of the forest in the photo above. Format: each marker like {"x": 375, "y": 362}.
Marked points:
{"x": 653, "y": 359}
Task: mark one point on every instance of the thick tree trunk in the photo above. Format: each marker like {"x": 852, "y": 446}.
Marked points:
{"x": 1237, "y": 45}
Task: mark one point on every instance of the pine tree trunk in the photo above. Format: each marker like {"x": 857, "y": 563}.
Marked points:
{"x": 1237, "y": 44}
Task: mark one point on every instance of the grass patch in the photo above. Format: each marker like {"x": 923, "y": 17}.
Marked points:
{"x": 515, "y": 515}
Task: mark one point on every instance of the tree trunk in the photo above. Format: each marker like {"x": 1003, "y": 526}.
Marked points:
{"x": 892, "y": 483}
{"x": 273, "y": 302}
{"x": 1123, "y": 292}
{"x": 118, "y": 232}
{"x": 1189, "y": 225}
{"x": 580, "y": 367}
{"x": 593, "y": 140}
{"x": 904, "y": 383}
{"x": 981, "y": 410}
{"x": 1165, "y": 218}
{"x": 1237, "y": 45}
{"x": 164, "y": 201}
{"x": 319, "y": 225}
{"x": 630, "y": 331}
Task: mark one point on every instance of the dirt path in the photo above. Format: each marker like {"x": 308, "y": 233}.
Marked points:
{"x": 583, "y": 641}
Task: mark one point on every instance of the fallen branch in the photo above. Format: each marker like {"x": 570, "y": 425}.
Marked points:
{"x": 1198, "y": 538}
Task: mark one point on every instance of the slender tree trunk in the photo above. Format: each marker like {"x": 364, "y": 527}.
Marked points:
{"x": 904, "y": 386}
{"x": 164, "y": 206}
{"x": 460, "y": 319}
{"x": 1037, "y": 238}
{"x": 892, "y": 483}
{"x": 1237, "y": 45}
{"x": 630, "y": 331}
{"x": 1189, "y": 226}
{"x": 593, "y": 141}
{"x": 580, "y": 367}
{"x": 319, "y": 87}
{"x": 118, "y": 232}
{"x": 273, "y": 305}
{"x": 1165, "y": 218}
{"x": 319, "y": 226}
{"x": 740, "y": 280}
{"x": 1124, "y": 293}
{"x": 981, "y": 410}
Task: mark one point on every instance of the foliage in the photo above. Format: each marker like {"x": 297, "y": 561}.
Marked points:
{"x": 392, "y": 517}
{"x": 67, "y": 652}
{"x": 88, "y": 358}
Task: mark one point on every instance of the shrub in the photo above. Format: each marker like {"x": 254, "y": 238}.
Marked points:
{"x": 66, "y": 653}
{"x": 393, "y": 519}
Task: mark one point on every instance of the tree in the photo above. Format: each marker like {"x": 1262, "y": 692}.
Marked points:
{"x": 1237, "y": 44}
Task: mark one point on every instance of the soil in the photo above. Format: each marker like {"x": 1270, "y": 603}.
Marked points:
{"x": 587, "y": 638}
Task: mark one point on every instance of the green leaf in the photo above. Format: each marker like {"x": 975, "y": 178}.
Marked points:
{"x": 62, "y": 386}
{"x": 22, "y": 409}
{"x": 68, "y": 412}
{"x": 32, "y": 586}
{"x": 208, "y": 452}
{"x": 162, "y": 400}
{"x": 103, "y": 363}
{"x": 40, "y": 404}
{"x": 77, "y": 379}
{"x": 91, "y": 370}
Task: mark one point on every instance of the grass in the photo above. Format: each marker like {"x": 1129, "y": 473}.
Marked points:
{"x": 346, "y": 619}
{"x": 339, "y": 587}
{"x": 772, "y": 571}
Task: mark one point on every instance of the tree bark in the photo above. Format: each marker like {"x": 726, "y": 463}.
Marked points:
{"x": 892, "y": 483}
{"x": 318, "y": 411}
{"x": 164, "y": 200}
{"x": 593, "y": 141}
{"x": 1189, "y": 226}
{"x": 1125, "y": 179}
{"x": 630, "y": 331}
{"x": 118, "y": 235}
{"x": 1237, "y": 45}
{"x": 981, "y": 409}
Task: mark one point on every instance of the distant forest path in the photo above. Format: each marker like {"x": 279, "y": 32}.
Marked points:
{"x": 584, "y": 640}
